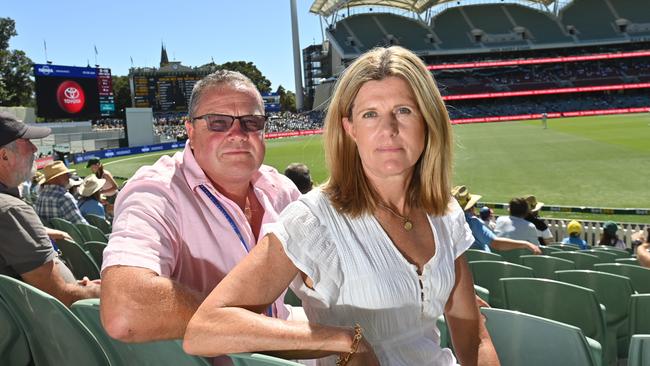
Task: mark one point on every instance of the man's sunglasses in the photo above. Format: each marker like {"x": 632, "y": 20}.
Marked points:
{"x": 223, "y": 122}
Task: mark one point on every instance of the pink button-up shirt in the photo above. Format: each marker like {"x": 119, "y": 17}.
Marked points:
{"x": 165, "y": 222}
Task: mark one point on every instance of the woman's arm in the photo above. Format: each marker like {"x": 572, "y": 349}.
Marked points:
{"x": 228, "y": 321}
{"x": 471, "y": 340}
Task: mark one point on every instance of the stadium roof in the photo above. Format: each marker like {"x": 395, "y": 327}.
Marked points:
{"x": 328, "y": 7}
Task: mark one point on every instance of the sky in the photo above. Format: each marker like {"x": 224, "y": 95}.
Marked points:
{"x": 194, "y": 32}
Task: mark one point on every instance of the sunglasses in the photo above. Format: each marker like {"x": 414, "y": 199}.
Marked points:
{"x": 223, "y": 122}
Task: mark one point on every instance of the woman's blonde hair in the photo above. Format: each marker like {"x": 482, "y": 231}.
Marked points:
{"x": 348, "y": 187}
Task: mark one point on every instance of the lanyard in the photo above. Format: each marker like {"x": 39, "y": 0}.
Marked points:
{"x": 233, "y": 225}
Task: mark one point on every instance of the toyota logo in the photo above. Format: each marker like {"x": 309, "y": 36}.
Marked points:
{"x": 71, "y": 92}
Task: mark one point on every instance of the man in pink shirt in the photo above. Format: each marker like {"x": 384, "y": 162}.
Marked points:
{"x": 182, "y": 224}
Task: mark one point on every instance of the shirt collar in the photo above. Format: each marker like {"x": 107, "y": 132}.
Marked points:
{"x": 13, "y": 191}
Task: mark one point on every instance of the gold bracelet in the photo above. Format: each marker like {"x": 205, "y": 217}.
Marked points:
{"x": 358, "y": 336}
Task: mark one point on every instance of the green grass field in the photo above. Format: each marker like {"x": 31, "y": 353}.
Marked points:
{"x": 599, "y": 161}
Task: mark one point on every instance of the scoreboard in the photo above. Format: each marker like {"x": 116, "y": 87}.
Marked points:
{"x": 163, "y": 93}
{"x": 73, "y": 92}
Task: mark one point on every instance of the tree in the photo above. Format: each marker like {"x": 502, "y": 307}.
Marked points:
{"x": 16, "y": 84}
{"x": 287, "y": 99}
{"x": 122, "y": 93}
{"x": 251, "y": 71}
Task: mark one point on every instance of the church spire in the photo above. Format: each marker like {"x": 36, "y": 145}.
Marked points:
{"x": 164, "y": 60}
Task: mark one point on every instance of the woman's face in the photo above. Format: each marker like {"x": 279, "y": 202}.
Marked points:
{"x": 94, "y": 168}
{"x": 387, "y": 127}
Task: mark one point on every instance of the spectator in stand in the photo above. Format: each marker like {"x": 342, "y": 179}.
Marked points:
{"x": 299, "y": 175}
{"x": 26, "y": 252}
{"x": 484, "y": 238}
{"x": 544, "y": 235}
{"x": 516, "y": 226}
{"x": 487, "y": 217}
{"x": 574, "y": 229}
{"x": 110, "y": 187}
{"x": 609, "y": 238}
{"x": 643, "y": 246}
{"x": 90, "y": 192}
{"x": 54, "y": 200}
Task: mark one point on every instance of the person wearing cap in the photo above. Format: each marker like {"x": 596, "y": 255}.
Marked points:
{"x": 299, "y": 175}
{"x": 486, "y": 215}
{"x": 110, "y": 187}
{"x": 26, "y": 252}
{"x": 609, "y": 237}
{"x": 484, "y": 238}
{"x": 544, "y": 235}
{"x": 54, "y": 200}
{"x": 574, "y": 229}
{"x": 515, "y": 226}
{"x": 90, "y": 192}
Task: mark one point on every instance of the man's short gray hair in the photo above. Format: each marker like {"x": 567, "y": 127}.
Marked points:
{"x": 220, "y": 78}
{"x": 13, "y": 146}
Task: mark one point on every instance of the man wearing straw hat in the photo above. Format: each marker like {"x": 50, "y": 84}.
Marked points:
{"x": 54, "y": 200}
{"x": 26, "y": 252}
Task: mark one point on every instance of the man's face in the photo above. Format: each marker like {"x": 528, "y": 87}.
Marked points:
{"x": 232, "y": 156}
{"x": 20, "y": 160}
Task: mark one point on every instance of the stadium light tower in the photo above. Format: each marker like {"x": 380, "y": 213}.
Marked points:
{"x": 297, "y": 66}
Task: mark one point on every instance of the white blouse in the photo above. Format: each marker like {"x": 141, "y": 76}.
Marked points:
{"x": 360, "y": 276}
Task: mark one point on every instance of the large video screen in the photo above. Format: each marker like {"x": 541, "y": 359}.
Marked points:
{"x": 163, "y": 93}
{"x": 73, "y": 92}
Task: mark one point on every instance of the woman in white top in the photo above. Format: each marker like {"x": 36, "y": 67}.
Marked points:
{"x": 379, "y": 245}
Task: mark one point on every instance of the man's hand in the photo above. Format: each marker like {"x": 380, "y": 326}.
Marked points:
{"x": 535, "y": 249}
{"x": 57, "y": 234}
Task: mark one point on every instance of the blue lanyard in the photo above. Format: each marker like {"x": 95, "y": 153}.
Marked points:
{"x": 225, "y": 213}
{"x": 233, "y": 225}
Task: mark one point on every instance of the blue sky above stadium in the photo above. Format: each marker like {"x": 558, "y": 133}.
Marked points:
{"x": 194, "y": 32}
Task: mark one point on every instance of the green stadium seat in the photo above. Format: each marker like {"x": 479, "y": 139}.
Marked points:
{"x": 80, "y": 262}
{"x": 605, "y": 256}
{"x": 544, "y": 266}
{"x": 91, "y": 233}
{"x": 119, "y": 353}
{"x": 513, "y": 255}
{"x": 614, "y": 292}
{"x": 562, "y": 302}
{"x": 487, "y": 274}
{"x": 483, "y": 293}
{"x": 96, "y": 251}
{"x": 639, "y": 319}
{"x": 632, "y": 261}
{"x": 290, "y": 298}
{"x": 639, "y": 354}
{"x": 256, "y": 359}
{"x": 55, "y": 336}
{"x": 581, "y": 260}
{"x": 100, "y": 223}
{"x": 479, "y": 255}
{"x": 639, "y": 276}
{"x": 14, "y": 349}
{"x": 619, "y": 253}
{"x": 546, "y": 250}
{"x": 65, "y": 225}
{"x": 564, "y": 247}
{"x": 524, "y": 339}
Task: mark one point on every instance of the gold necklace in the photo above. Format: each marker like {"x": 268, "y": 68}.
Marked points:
{"x": 406, "y": 221}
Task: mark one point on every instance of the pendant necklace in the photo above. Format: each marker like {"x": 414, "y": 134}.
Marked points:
{"x": 407, "y": 224}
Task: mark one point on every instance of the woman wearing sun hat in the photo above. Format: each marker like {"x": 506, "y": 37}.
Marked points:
{"x": 609, "y": 237}
{"x": 574, "y": 229}
{"x": 90, "y": 191}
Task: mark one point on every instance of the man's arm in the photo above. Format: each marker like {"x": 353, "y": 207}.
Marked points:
{"x": 504, "y": 244}
{"x": 137, "y": 305}
{"x": 71, "y": 211}
{"x": 56, "y": 279}
{"x": 642, "y": 253}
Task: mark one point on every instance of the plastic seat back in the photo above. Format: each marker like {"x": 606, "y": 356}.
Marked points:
{"x": 483, "y": 293}
{"x": 96, "y": 251}
{"x": 619, "y": 253}
{"x": 119, "y": 353}
{"x": 55, "y": 336}
{"x": 632, "y": 261}
{"x": 544, "y": 266}
{"x": 548, "y": 249}
{"x": 639, "y": 319}
{"x": 487, "y": 274}
{"x": 559, "y": 301}
{"x": 639, "y": 354}
{"x": 473, "y": 255}
{"x": 14, "y": 349}
{"x": 523, "y": 339}
{"x": 565, "y": 247}
{"x": 68, "y": 227}
{"x": 605, "y": 256}
{"x": 581, "y": 260}
{"x": 256, "y": 359}
{"x": 639, "y": 276}
{"x": 100, "y": 223}
{"x": 80, "y": 262}
{"x": 614, "y": 292}
{"x": 91, "y": 233}
{"x": 513, "y": 255}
